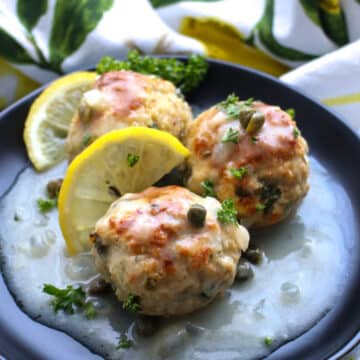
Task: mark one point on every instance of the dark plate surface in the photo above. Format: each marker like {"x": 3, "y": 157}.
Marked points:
{"x": 330, "y": 140}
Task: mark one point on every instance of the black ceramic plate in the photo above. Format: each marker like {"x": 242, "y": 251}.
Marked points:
{"x": 330, "y": 140}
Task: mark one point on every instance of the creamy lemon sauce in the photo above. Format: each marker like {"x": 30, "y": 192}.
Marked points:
{"x": 297, "y": 283}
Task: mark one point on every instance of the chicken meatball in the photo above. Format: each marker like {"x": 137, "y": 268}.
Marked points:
{"x": 252, "y": 153}
{"x": 124, "y": 98}
{"x": 166, "y": 248}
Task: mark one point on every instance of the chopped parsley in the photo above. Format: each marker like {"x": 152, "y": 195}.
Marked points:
{"x": 239, "y": 173}
{"x": 254, "y": 139}
{"x": 291, "y": 112}
{"x": 249, "y": 101}
{"x": 132, "y": 303}
{"x": 231, "y": 99}
{"x": 232, "y": 105}
{"x": 69, "y": 300}
{"x": 269, "y": 195}
{"x": 260, "y": 207}
{"x": 185, "y": 75}
{"x": 208, "y": 186}
{"x": 227, "y": 214}
{"x": 132, "y": 159}
{"x": 45, "y": 205}
{"x": 233, "y": 111}
{"x": 89, "y": 310}
{"x": 86, "y": 140}
{"x": 268, "y": 341}
{"x": 231, "y": 136}
{"x": 296, "y": 132}
{"x": 124, "y": 342}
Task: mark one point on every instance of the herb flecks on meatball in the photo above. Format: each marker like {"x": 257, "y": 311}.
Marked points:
{"x": 170, "y": 248}
{"x": 120, "y": 99}
{"x": 252, "y": 153}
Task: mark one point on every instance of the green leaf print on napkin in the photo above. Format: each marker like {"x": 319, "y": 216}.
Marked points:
{"x": 330, "y": 17}
{"x": 11, "y": 50}
{"x": 29, "y": 12}
{"x": 159, "y": 3}
{"x": 311, "y": 10}
{"x": 267, "y": 38}
{"x": 334, "y": 23}
{"x": 73, "y": 21}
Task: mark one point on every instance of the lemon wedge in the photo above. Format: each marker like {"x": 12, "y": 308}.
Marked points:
{"x": 119, "y": 162}
{"x": 48, "y": 121}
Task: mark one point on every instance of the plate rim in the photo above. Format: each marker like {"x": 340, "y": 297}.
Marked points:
{"x": 355, "y": 340}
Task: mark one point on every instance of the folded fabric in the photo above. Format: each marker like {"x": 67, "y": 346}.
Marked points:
{"x": 334, "y": 80}
{"x": 45, "y": 38}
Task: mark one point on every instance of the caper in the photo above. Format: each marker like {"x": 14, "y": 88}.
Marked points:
{"x": 98, "y": 286}
{"x": 256, "y": 122}
{"x": 242, "y": 192}
{"x": 196, "y": 215}
{"x": 254, "y": 255}
{"x": 150, "y": 284}
{"x": 146, "y": 325}
{"x": 245, "y": 116}
{"x": 113, "y": 190}
{"x": 99, "y": 246}
{"x": 53, "y": 188}
{"x": 244, "y": 271}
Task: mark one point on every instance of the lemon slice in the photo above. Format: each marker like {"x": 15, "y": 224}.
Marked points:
{"x": 119, "y": 162}
{"x": 48, "y": 121}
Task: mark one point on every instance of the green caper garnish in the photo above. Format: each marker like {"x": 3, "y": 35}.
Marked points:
{"x": 254, "y": 255}
{"x": 150, "y": 283}
{"x": 146, "y": 325}
{"x": 53, "y": 188}
{"x": 245, "y": 116}
{"x": 196, "y": 215}
{"x": 98, "y": 286}
{"x": 99, "y": 246}
{"x": 256, "y": 122}
{"x": 244, "y": 271}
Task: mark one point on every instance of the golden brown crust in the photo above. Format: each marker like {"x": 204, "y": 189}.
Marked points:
{"x": 124, "y": 98}
{"x": 274, "y": 158}
{"x": 149, "y": 240}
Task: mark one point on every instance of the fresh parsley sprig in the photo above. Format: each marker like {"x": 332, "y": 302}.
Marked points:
{"x": 69, "y": 300}
{"x": 132, "y": 159}
{"x": 227, "y": 214}
{"x": 239, "y": 173}
{"x": 186, "y": 76}
{"x": 232, "y": 106}
{"x": 124, "y": 342}
{"x": 45, "y": 205}
{"x": 291, "y": 112}
{"x": 208, "y": 187}
{"x": 231, "y": 135}
{"x": 132, "y": 303}
{"x": 296, "y": 132}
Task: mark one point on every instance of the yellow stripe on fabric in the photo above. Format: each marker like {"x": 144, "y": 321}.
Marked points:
{"x": 342, "y": 100}
{"x": 331, "y": 6}
{"x": 2, "y": 103}
{"x": 223, "y": 41}
{"x": 24, "y": 84}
